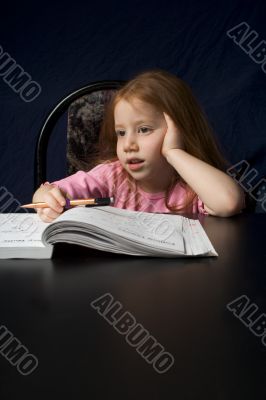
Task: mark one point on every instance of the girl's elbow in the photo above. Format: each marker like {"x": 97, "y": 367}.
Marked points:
{"x": 230, "y": 212}
{"x": 234, "y": 205}
{"x": 229, "y": 205}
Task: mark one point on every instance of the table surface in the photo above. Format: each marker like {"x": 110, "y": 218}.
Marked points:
{"x": 182, "y": 304}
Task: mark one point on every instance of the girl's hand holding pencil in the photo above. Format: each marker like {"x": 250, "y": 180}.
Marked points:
{"x": 49, "y": 202}
{"x": 55, "y": 199}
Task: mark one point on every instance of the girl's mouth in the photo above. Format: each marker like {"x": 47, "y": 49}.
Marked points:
{"x": 135, "y": 164}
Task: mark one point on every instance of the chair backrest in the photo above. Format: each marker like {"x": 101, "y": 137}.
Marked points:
{"x": 85, "y": 108}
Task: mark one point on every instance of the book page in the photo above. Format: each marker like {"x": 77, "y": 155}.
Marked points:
{"x": 21, "y": 230}
{"x": 150, "y": 230}
{"x": 196, "y": 239}
{"x": 119, "y": 230}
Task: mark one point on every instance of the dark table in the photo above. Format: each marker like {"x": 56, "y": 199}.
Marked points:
{"x": 182, "y": 304}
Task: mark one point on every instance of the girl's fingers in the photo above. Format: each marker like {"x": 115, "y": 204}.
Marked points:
{"x": 170, "y": 123}
{"x": 58, "y": 196}
{"x": 54, "y": 199}
{"x": 166, "y": 116}
{"x": 44, "y": 218}
{"x": 48, "y": 215}
{"x": 173, "y": 137}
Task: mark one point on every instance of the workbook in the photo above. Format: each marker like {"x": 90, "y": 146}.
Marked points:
{"x": 105, "y": 228}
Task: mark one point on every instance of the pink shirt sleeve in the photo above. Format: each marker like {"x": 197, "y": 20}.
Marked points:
{"x": 82, "y": 185}
{"x": 200, "y": 206}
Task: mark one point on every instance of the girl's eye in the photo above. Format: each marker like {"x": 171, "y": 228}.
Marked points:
{"x": 144, "y": 129}
{"x": 120, "y": 133}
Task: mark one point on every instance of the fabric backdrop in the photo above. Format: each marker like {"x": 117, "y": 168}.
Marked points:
{"x": 63, "y": 47}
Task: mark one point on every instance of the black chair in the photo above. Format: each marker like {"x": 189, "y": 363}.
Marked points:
{"x": 85, "y": 108}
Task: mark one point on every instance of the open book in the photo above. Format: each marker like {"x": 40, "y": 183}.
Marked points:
{"x": 104, "y": 228}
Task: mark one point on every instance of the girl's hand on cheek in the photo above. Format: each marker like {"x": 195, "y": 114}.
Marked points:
{"x": 173, "y": 138}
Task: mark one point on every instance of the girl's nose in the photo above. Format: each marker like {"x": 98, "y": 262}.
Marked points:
{"x": 130, "y": 142}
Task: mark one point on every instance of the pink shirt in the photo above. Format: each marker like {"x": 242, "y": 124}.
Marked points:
{"x": 110, "y": 179}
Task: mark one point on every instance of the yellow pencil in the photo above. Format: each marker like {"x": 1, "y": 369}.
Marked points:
{"x": 100, "y": 201}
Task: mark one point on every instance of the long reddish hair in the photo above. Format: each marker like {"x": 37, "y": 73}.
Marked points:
{"x": 171, "y": 95}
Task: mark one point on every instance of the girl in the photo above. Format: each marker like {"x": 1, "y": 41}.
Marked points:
{"x": 156, "y": 153}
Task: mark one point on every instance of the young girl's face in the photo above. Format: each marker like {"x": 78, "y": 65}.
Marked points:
{"x": 140, "y": 131}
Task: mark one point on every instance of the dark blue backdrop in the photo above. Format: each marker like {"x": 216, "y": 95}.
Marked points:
{"x": 63, "y": 47}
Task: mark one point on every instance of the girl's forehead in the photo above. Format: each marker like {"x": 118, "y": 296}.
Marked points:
{"x": 136, "y": 106}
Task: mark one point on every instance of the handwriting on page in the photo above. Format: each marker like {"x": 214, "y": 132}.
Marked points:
{"x": 20, "y": 232}
{"x": 152, "y": 227}
{"x": 158, "y": 228}
{"x": 18, "y": 222}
